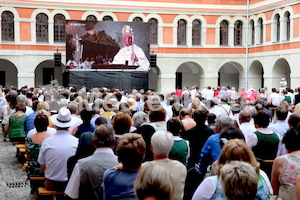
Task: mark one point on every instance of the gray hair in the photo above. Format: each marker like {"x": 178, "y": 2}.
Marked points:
{"x": 162, "y": 142}
{"x": 139, "y": 118}
{"x": 21, "y": 99}
{"x": 224, "y": 121}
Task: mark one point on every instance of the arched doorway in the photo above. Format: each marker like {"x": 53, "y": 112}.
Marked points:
{"x": 46, "y": 72}
{"x": 8, "y": 73}
{"x": 188, "y": 74}
{"x": 281, "y": 70}
{"x": 256, "y": 75}
{"x": 229, "y": 75}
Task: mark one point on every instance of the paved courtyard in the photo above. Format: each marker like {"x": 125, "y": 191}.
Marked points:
{"x": 13, "y": 181}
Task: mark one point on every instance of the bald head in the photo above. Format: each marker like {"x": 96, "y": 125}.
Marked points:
{"x": 245, "y": 116}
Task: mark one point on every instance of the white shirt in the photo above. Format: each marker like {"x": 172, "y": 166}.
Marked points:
{"x": 55, "y": 152}
{"x": 125, "y": 53}
{"x": 72, "y": 189}
{"x": 207, "y": 188}
{"x": 275, "y": 99}
{"x": 209, "y": 94}
{"x": 248, "y": 130}
{"x": 82, "y": 65}
{"x": 71, "y": 61}
{"x": 33, "y": 131}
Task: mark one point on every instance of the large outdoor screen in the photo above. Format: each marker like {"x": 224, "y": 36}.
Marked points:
{"x": 100, "y": 41}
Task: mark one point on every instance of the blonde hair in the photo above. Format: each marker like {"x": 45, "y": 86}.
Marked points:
{"x": 239, "y": 180}
{"x": 297, "y": 109}
{"x": 154, "y": 180}
{"x": 43, "y": 105}
{"x": 238, "y": 150}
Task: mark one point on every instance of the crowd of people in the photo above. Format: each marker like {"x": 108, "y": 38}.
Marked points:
{"x": 214, "y": 143}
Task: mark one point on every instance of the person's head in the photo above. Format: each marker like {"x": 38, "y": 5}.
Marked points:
{"x": 161, "y": 143}
{"x": 176, "y": 107}
{"x": 20, "y": 107}
{"x": 63, "y": 120}
{"x": 236, "y": 149}
{"x": 261, "y": 119}
{"x": 43, "y": 105}
{"x": 229, "y": 133}
{"x": 73, "y": 107}
{"x": 223, "y": 99}
{"x": 211, "y": 118}
{"x": 41, "y": 122}
{"x": 157, "y": 113}
{"x": 293, "y": 121}
{"x": 86, "y": 116}
{"x": 239, "y": 181}
{"x": 200, "y": 115}
{"x": 236, "y": 108}
{"x": 174, "y": 126}
{"x": 104, "y": 136}
{"x": 131, "y": 150}
{"x": 297, "y": 109}
{"x": 121, "y": 123}
{"x": 34, "y": 105}
{"x": 184, "y": 112}
{"x": 281, "y": 112}
{"x": 100, "y": 120}
{"x": 154, "y": 181}
{"x": 222, "y": 122}
{"x": 139, "y": 118}
{"x": 245, "y": 116}
{"x": 291, "y": 139}
{"x": 127, "y": 39}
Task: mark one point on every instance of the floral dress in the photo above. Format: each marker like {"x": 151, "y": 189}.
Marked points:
{"x": 33, "y": 165}
{"x": 287, "y": 179}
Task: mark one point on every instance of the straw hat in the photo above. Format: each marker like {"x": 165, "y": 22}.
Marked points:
{"x": 63, "y": 119}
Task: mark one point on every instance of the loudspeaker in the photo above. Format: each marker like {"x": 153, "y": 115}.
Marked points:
{"x": 153, "y": 60}
{"x": 57, "y": 59}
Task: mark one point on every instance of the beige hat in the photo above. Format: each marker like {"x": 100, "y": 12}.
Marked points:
{"x": 127, "y": 30}
{"x": 63, "y": 119}
{"x": 114, "y": 102}
{"x": 132, "y": 103}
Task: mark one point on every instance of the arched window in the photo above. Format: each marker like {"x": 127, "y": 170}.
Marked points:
{"x": 277, "y": 24}
{"x": 261, "y": 30}
{"x": 252, "y": 26}
{"x": 107, "y": 18}
{"x": 91, "y": 18}
{"x": 7, "y": 26}
{"x": 196, "y": 32}
{"x": 287, "y": 16}
{"x": 153, "y": 30}
{"x": 238, "y": 33}
{"x": 42, "y": 28}
{"x": 137, "y": 19}
{"x": 224, "y": 33}
{"x": 181, "y": 32}
{"x": 59, "y": 28}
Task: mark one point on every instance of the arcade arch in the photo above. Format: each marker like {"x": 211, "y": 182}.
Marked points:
{"x": 46, "y": 72}
{"x": 281, "y": 70}
{"x": 189, "y": 74}
{"x": 230, "y": 75}
{"x": 256, "y": 75}
{"x": 8, "y": 73}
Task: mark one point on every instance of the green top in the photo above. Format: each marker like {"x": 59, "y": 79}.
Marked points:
{"x": 267, "y": 146}
{"x": 179, "y": 151}
{"x": 16, "y": 126}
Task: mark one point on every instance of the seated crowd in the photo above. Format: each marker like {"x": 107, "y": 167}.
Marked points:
{"x": 190, "y": 144}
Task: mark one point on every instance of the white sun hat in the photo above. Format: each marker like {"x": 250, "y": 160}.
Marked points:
{"x": 63, "y": 119}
